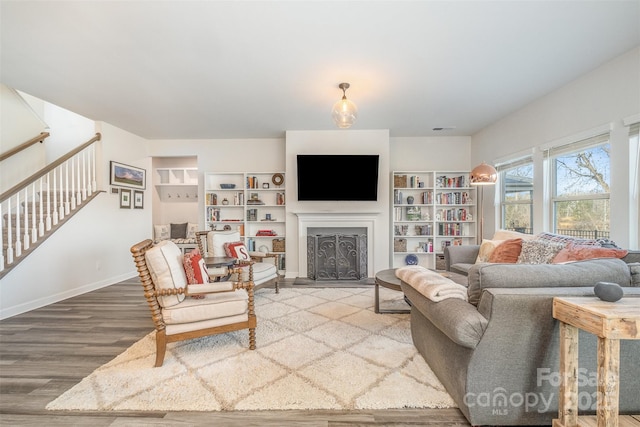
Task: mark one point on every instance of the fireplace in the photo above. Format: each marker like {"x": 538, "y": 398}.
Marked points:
{"x": 358, "y": 223}
{"x": 337, "y": 256}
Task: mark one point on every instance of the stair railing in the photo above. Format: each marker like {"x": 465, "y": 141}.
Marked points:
{"x": 37, "y": 204}
{"x": 24, "y": 145}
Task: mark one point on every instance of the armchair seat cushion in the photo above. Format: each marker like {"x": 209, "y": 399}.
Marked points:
{"x": 212, "y": 306}
{"x": 262, "y": 271}
{"x": 164, "y": 261}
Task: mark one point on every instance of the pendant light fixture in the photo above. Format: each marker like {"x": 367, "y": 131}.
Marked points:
{"x": 344, "y": 112}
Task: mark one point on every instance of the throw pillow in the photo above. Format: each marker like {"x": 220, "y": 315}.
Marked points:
{"x": 486, "y": 249}
{"x": 510, "y": 234}
{"x": 507, "y": 252}
{"x": 237, "y": 250}
{"x": 634, "y": 267}
{"x": 179, "y": 231}
{"x": 195, "y": 269}
{"x": 538, "y": 251}
{"x": 161, "y": 232}
{"x": 192, "y": 229}
{"x": 573, "y": 252}
{"x": 559, "y": 238}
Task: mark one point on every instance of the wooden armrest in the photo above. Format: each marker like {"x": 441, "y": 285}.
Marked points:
{"x": 211, "y": 288}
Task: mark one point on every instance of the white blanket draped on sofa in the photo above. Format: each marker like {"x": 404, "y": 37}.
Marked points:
{"x": 430, "y": 283}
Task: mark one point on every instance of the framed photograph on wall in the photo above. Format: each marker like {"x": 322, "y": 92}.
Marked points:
{"x": 138, "y": 199}
{"x": 127, "y": 176}
{"x": 125, "y": 199}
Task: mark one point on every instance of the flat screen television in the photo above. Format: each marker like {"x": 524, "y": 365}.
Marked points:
{"x": 338, "y": 177}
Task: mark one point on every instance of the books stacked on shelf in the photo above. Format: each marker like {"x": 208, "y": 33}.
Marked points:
{"x": 397, "y": 214}
{"x": 252, "y": 214}
{"x": 453, "y": 198}
{"x": 450, "y": 229}
{"x": 397, "y": 197}
{"x": 280, "y": 199}
{"x": 266, "y": 233}
{"x": 252, "y": 182}
{"x": 414, "y": 182}
{"x": 424, "y": 230}
{"x": 255, "y": 202}
{"x": 251, "y": 244}
{"x": 460, "y": 214}
{"x": 211, "y": 199}
{"x": 444, "y": 181}
{"x": 213, "y": 214}
{"x": 238, "y": 199}
{"x": 426, "y": 246}
{"x": 401, "y": 230}
{"x": 427, "y": 198}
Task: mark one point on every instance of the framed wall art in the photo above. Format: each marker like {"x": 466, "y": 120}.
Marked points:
{"x": 138, "y": 199}
{"x": 127, "y": 176}
{"x": 125, "y": 199}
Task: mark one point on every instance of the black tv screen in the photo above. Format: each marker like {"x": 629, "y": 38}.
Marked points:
{"x": 337, "y": 177}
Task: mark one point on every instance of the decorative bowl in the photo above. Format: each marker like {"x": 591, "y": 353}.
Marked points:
{"x": 227, "y": 186}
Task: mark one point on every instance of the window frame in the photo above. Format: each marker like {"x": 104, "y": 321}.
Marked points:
{"x": 503, "y": 168}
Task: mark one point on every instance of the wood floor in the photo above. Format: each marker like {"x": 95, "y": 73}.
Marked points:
{"x": 47, "y": 351}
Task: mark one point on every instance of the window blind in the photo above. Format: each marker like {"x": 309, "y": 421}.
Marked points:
{"x": 577, "y": 145}
{"x": 513, "y": 163}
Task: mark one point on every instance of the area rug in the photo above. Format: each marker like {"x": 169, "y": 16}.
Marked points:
{"x": 317, "y": 348}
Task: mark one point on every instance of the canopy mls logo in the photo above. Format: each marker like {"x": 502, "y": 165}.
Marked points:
{"x": 501, "y": 401}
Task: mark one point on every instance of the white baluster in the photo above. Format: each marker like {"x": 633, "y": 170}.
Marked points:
{"x": 67, "y": 206}
{"x": 9, "y": 233}
{"x": 47, "y": 224}
{"x": 56, "y": 209}
{"x": 18, "y": 243}
{"x": 73, "y": 184}
{"x": 25, "y": 213}
{"x": 84, "y": 175}
{"x": 34, "y": 230}
{"x": 1, "y": 242}
{"x": 94, "y": 187}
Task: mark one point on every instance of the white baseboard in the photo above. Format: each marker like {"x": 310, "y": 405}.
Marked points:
{"x": 41, "y": 302}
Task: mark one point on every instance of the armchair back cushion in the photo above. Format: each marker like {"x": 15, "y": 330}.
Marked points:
{"x": 217, "y": 239}
{"x": 164, "y": 261}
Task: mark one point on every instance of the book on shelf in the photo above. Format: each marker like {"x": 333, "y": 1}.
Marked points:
{"x": 444, "y": 181}
{"x": 280, "y": 199}
{"x": 252, "y": 214}
{"x": 252, "y": 182}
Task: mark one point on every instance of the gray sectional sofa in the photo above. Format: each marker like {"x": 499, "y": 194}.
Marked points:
{"x": 497, "y": 354}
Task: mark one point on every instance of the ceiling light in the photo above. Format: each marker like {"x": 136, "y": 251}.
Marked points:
{"x": 344, "y": 112}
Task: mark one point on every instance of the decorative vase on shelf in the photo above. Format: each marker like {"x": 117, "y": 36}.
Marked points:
{"x": 225, "y": 202}
{"x": 410, "y": 200}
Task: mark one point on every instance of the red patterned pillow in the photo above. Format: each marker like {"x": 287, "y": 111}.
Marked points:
{"x": 575, "y": 252}
{"x": 237, "y": 250}
{"x": 195, "y": 269}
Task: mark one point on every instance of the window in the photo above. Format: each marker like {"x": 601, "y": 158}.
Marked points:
{"x": 516, "y": 199}
{"x": 580, "y": 187}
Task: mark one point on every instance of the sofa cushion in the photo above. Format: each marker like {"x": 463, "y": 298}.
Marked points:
{"x": 509, "y": 234}
{"x": 164, "y": 262}
{"x": 161, "y": 232}
{"x": 178, "y": 231}
{"x": 192, "y": 229}
{"x": 573, "y": 252}
{"x": 538, "y": 251}
{"x": 579, "y": 273}
{"x": 486, "y": 249}
{"x": 212, "y": 306}
{"x": 237, "y": 250}
{"x": 217, "y": 239}
{"x": 507, "y": 251}
{"x": 262, "y": 271}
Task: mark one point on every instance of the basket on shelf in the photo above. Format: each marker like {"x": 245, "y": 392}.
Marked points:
{"x": 399, "y": 245}
{"x": 400, "y": 181}
{"x": 278, "y": 245}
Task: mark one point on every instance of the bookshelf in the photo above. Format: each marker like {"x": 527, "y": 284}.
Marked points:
{"x": 249, "y": 202}
{"x": 430, "y": 210}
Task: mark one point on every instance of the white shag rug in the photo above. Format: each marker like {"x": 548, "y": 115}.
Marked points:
{"x": 317, "y": 348}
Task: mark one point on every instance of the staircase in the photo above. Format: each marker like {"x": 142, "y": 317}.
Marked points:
{"x": 36, "y": 207}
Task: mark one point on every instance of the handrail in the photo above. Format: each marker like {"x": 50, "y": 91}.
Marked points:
{"x": 24, "y": 145}
{"x": 24, "y": 183}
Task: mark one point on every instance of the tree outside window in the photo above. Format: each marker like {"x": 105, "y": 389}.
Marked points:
{"x": 581, "y": 192}
{"x": 517, "y": 198}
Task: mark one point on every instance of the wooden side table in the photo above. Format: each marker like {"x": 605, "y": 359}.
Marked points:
{"x": 387, "y": 279}
{"x": 610, "y": 322}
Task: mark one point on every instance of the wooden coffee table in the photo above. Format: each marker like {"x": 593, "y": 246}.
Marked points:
{"x": 610, "y": 322}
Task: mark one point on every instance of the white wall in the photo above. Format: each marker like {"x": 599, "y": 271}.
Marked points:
{"x": 92, "y": 249}
{"x": 604, "y": 96}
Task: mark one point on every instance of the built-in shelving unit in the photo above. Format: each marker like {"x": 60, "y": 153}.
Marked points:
{"x": 177, "y": 185}
{"x": 249, "y": 202}
{"x": 430, "y": 210}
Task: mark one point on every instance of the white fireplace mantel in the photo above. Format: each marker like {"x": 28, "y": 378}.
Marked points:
{"x": 362, "y": 219}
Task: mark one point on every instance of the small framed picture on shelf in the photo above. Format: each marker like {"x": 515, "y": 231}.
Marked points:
{"x": 265, "y": 185}
{"x": 138, "y": 199}
{"x": 125, "y": 199}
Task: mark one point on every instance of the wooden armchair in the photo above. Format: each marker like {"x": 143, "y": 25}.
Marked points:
{"x": 220, "y": 307}
{"x": 257, "y": 267}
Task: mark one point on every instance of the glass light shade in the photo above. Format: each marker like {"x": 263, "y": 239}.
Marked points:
{"x": 344, "y": 113}
{"x": 484, "y": 174}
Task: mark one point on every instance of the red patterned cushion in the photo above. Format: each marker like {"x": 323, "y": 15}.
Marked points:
{"x": 575, "y": 252}
{"x": 195, "y": 269}
{"x": 237, "y": 250}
